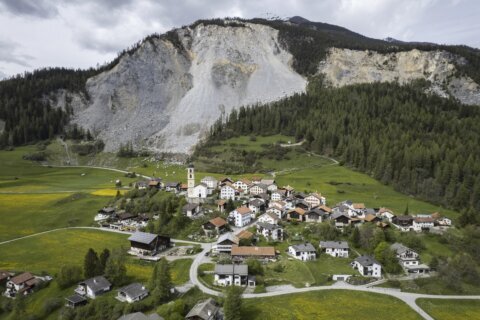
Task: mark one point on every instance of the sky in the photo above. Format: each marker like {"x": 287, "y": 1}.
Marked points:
{"x": 83, "y": 33}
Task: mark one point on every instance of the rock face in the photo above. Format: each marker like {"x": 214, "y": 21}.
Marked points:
{"x": 344, "y": 67}
{"x": 165, "y": 97}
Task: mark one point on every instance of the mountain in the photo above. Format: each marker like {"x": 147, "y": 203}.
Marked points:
{"x": 165, "y": 92}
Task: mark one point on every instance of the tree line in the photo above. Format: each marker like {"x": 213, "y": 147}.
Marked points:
{"x": 420, "y": 144}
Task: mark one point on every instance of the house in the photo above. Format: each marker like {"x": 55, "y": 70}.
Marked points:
{"x": 132, "y": 293}
{"x": 217, "y": 225}
{"x": 21, "y": 284}
{"x": 191, "y": 209}
{"x": 75, "y": 301}
{"x": 241, "y": 253}
{"x": 367, "y": 266}
{"x": 256, "y": 205}
{"x": 221, "y": 204}
{"x": 335, "y": 248}
{"x": 371, "y": 218}
{"x": 421, "y": 223}
{"x": 242, "y": 216}
{"x": 104, "y": 213}
{"x": 386, "y": 214}
{"x": 93, "y": 287}
{"x": 227, "y": 192}
{"x": 297, "y": 214}
{"x": 5, "y": 276}
{"x": 141, "y": 185}
{"x": 406, "y": 256}
{"x": 269, "y": 217}
{"x": 244, "y": 235}
{"x": 140, "y": 316}
{"x": 304, "y": 251}
{"x": 341, "y": 219}
{"x": 233, "y": 275}
{"x": 200, "y": 191}
{"x": 155, "y": 183}
{"x": 315, "y": 200}
{"x": 243, "y": 184}
{"x": 270, "y": 231}
{"x": 289, "y": 190}
{"x": 262, "y": 196}
{"x": 148, "y": 244}
{"x": 267, "y": 182}
{"x": 316, "y": 215}
{"x": 258, "y": 188}
{"x": 278, "y": 195}
{"x": 224, "y": 243}
{"x": 205, "y": 310}
{"x": 225, "y": 180}
{"x": 184, "y": 187}
{"x": 211, "y": 182}
{"x": 172, "y": 186}
{"x": 404, "y": 223}
{"x": 272, "y": 187}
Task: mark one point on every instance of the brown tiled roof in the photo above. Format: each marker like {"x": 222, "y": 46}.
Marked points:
{"x": 4, "y": 275}
{"x": 370, "y": 217}
{"x": 221, "y": 202}
{"x": 218, "y": 222}
{"x": 424, "y": 219}
{"x": 382, "y": 210}
{"x": 21, "y": 278}
{"x": 244, "y": 210}
{"x": 325, "y": 208}
{"x": 244, "y": 234}
{"x": 359, "y": 206}
{"x": 298, "y": 210}
{"x": 253, "y": 251}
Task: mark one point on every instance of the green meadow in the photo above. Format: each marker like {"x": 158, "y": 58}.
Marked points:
{"x": 328, "y": 304}
{"x": 441, "y": 309}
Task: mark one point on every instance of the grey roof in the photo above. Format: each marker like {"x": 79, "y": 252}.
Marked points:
{"x": 261, "y": 185}
{"x": 399, "y": 248}
{"x": 172, "y": 184}
{"x": 202, "y": 309}
{"x": 256, "y": 202}
{"x": 317, "y": 211}
{"x": 240, "y": 269}
{"x": 134, "y": 290}
{"x": 304, "y": 247}
{"x": 190, "y": 206}
{"x": 142, "y": 237}
{"x": 338, "y": 215}
{"x": 334, "y": 244}
{"x": 209, "y": 178}
{"x": 366, "y": 261}
{"x": 97, "y": 284}
{"x": 267, "y": 181}
{"x": 227, "y": 236}
{"x": 76, "y": 298}
{"x": 268, "y": 226}
{"x": 140, "y": 316}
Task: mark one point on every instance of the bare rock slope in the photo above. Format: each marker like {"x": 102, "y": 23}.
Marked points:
{"x": 345, "y": 67}
{"x": 165, "y": 97}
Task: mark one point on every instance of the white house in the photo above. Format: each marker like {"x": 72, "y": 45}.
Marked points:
{"x": 93, "y": 287}
{"x": 257, "y": 189}
{"x": 304, "y": 251}
{"x": 242, "y": 184}
{"x": 227, "y": 192}
{"x": 211, "y": 182}
{"x": 242, "y": 216}
{"x": 20, "y": 284}
{"x": 269, "y": 217}
{"x": 224, "y": 243}
{"x": 272, "y": 187}
{"x": 256, "y": 205}
{"x": 270, "y": 231}
{"x": 314, "y": 200}
{"x": 367, "y": 266}
{"x": 233, "y": 274}
{"x": 406, "y": 256}
{"x": 132, "y": 293}
{"x": 200, "y": 191}
{"x": 335, "y": 248}
{"x": 278, "y": 195}
{"x": 423, "y": 222}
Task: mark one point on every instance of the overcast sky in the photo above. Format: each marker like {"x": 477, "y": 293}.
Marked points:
{"x": 82, "y": 33}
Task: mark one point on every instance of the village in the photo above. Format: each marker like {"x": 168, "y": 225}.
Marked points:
{"x": 252, "y": 225}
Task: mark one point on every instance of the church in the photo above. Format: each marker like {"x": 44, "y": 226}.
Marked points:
{"x": 195, "y": 193}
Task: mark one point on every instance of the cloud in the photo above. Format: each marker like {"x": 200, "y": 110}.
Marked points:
{"x": 36, "y": 8}
{"x": 9, "y": 54}
{"x": 3, "y": 75}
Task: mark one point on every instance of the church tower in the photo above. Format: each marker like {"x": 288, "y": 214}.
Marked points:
{"x": 191, "y": 180}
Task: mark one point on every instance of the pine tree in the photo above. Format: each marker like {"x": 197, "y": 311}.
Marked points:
{"x": 90, "y": 264}
{"x": 355, "y": 238}
{"x": 103, "y": 260}
{"x": 162, "y": 282}
{"x": 115, "y": 269}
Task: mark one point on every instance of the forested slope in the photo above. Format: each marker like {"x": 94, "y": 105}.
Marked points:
{"x": 421, "y": 144}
